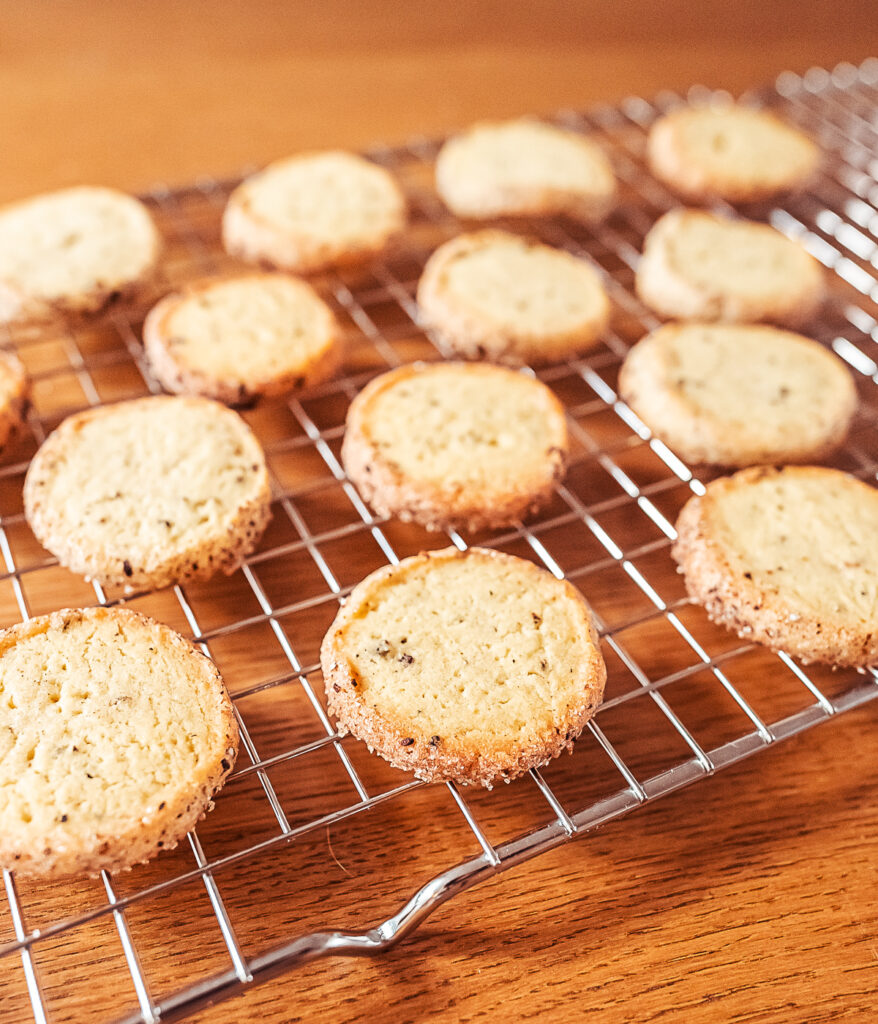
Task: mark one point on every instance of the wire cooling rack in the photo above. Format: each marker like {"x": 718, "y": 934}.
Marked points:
{"x": 311, "y": 831}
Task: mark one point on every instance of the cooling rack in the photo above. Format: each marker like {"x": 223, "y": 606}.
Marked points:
{"x": 311, "y": 832}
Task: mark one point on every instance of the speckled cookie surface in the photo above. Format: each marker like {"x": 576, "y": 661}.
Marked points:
{"x": 729, "y": 152}
{"x": 524, "y": 167}
{"x": 115, "y": 734}
{"x": 313, "y": 211}
{"x": 241, "y": 338}
{"x": 700, "y": 266}
{"x": 460, "y": 445}
{"x": 787, "y": 557}
{"x": 72, "y": 251}
{"x": 494, "y": 295}
{"x": 736, "y": 395}
{"x": 149, "y": 492}
{"x": 472, "y": 666}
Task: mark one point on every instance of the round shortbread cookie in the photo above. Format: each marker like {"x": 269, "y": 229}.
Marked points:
{"x": 729, "y": 152}
{"x": 115, "y": 734}
{"x": 787, "y": 557}
{"x": 241, "y": 338}
{"x": 14, "y": 392}
{"x": 314, "y": 211}
{"x": 72, "y": 251}
{"x": 494, "y": 295}
{"x": 459, "y": 445}
{"x": 150, "y": 492}
{"x": 473, "y": 666}
{"x": 699, "y": 266}
{"x": 735, "y": 395}
{"x": 524, "y": 167}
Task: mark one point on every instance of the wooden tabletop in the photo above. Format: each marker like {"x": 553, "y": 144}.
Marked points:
{"x": 752, "y": 896}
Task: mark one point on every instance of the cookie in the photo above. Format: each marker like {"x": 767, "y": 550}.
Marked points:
{"x": 115, "y": 735}
{"x": 699, "y": 266}
{"x": 14, "y": 391}
{"x": 729, "y": 152}
{"x": 72, "y": 252}
{"x": 493, "y": 295}
{"x": 150, "y": 492}
{"x": 735, "y": 395}
{"x": 314, "y": 211}
{"x": 455, "y": 445}
{"x": 472, "y": 666}
{"x": 242, "y": 338}
{"x": 787, "y": 557}
{"x": 524, "y": 168}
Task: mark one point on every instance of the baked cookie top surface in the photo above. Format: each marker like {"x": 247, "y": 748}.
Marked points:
{"x": 457, "y": 440}
{"x": 789, "y": 556}
{"x": 62, "y": 248}
{"x": 515, "y": 297}
{"x": 739, "y": 394}
{"x": 325, "y": 205}
{"x": 731, "y": 151}
{"x": 700, "y": 265}
{"x": 240, "y": 336}
{"x": 523, "y": 166}
{"x": 114, "y": 734}
{"x": 466, "y": 665}
{"x": 139, "y": 484}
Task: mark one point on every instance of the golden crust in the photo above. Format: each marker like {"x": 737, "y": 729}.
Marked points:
{"x": 391, "y": 492}
{"x": 155, "y": 826}
{"x": 406, "y": 744}
{"x": 741, "y": 604}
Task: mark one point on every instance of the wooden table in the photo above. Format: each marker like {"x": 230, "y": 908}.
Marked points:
{"x": 750, "y": 897}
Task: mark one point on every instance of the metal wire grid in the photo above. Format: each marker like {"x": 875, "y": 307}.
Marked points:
{"x": 318, "y": 514}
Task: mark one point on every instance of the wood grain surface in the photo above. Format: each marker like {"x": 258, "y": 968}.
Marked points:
{"x": 752, "y": 896}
